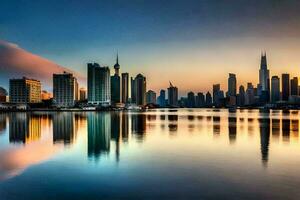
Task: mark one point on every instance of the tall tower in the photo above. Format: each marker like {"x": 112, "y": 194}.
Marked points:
{"x": 116, "y": 84}
{"x": 264, "y": 73}
{"x": 117, "y": 66}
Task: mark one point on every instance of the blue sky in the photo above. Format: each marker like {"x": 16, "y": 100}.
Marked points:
{"x": 152, "y": 36}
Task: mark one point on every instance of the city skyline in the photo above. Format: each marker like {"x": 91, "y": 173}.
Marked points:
{"x": 198, "y": 39}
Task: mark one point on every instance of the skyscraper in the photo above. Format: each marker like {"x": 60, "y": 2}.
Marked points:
{"x": 125, "y": 87}
{"x": 200, "y": 100}
{"x": 275, "y": 89}
{"x": 285, "y": 87}
{"x": 263, "y": 88}
{"x": 231, "y": 85}
{"x": 191, "y": 100}
{"x": 216, "y": 90}
{"x": 241, "y": 96}
{"x": 150, "y": 97}
{"x": 294, "y": 86}
{"x": 161, "y": 100}
{"x": 24, "y": 90}
{"x": 116, "y": 83}
{"x": 98, "y": 85}
{"x": 264, "y": 73}
{"x": 208, "y": 99}
{"x": 138, "y": 90}
{"x": 65, "y": 90}
{"x": 172, "y": 96}
{"x": 249, "y": 97}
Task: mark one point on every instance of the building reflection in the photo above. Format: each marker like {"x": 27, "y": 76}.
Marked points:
{"x": 2, "y": 122}
{"x": 115, "y": 132}
{"x": 125, "y": 127}
{"x": 99, "y": 133}
{"x": 276, "y": 128}
{"x": 232, "y": 129}
{"x": 173, "y": 123}
{"x": 286, "y": 130}
{"x": 216, "y": 125}
{"x": 264, "y": 128}
{"x": 24, "y": 127}
{"x": 63, "y": 128}
{"x": 138, "y": 125}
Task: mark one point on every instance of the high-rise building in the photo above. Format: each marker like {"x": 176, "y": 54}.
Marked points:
{"x": 65, "y": 90}
{"x": 125, "y": 87}
{"x": 24, "y": 90}
{"x": 161, "y": 100}
{"x": 172, "y": 96}
{"x": 241, "y": 96}
{"x": 250, "y": 95}
{"x": 138, "y": 90}
{"x": 82, "y": 94}
{"x": 200, "y": 100}
{"x": 191, "y": 100}
{"x": 116, "y": 84}
{"x": 208, "y": 99}
{"x": 216, "y": 90}
{"x": 3, "y": 94}
{"x": 98, "y": 85}
{"x": 264, "y": 74}
{"x": 294, "y": 86}
{"x": 150, "y": 97}
{"x": 275, "y": 89}
{"x": 285, "y": 87}
{"x": 231, "y": 85}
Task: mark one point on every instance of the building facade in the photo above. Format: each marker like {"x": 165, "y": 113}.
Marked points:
{"x": 138, "y": 90}
{"x": 150, "y": 97}
{"x": 98, "y": 85}
{"x": 125, "y": 87}
{"x": 172, "y": 96}
{"x": 65, "y": 90}
{"x": 275, "y": 89}
{"x": 24, "y": 90}
{"x": 285, "y": 87}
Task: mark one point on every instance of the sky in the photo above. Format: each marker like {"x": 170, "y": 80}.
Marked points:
{"x": 193, "y": 44}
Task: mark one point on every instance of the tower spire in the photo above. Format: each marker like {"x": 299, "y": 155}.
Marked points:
{"x": 117, "y": 57}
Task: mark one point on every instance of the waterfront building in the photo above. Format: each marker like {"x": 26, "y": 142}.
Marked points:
{"x": 264, "y": 77}
{"x": 116, "y": 84}
{"x": 65, "y": 90}
{"x": 275, "y": 89}
{"x": 191, "y": 100}
{"x": 172, "y": 96}
{"x": 250, "y": 94}
{"x": 208, "y": 99}
{"x": 231, "y": 85}
{"x": 150, "y": 97}
{"x": 294, "y": 86}
{"x": 216, "y": 90}
{"x": 82, "y": 94}
{"x": 24, "y": 90}
{"x": 125, "y": 87}
{"x": 161, "y": 100}
{"x": 138, "y": 90}
{"x": 285, "y": 87}
{"x": 3, "y": 94}
{"x": 98, "y": 85}
{"x": 241, "y": 96}
{"x": 200, "y": 100}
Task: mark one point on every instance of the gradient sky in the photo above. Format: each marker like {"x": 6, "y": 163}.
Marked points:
{"x": 192, "y": 43}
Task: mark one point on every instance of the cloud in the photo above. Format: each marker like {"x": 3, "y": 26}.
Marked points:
{"x": 16, "y": 62}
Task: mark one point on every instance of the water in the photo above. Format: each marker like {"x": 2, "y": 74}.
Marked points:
{"x": 158, "y": 154}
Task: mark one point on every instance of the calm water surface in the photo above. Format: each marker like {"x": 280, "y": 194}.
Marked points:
{"x": 158, "y": 154}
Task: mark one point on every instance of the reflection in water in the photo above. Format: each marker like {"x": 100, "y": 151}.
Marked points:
{"x": 232, "y": 129}
{"x": 63, "y": 128}
{"x": 2, "y": 122}
{"x": 99, "y": 132}
{"x": 138, "y": 125}
{"x": 24, "y": 127}
{"x": 216, "y": 125}
{"x": 264, "y": 127}
{"x": 109, "y": 135}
